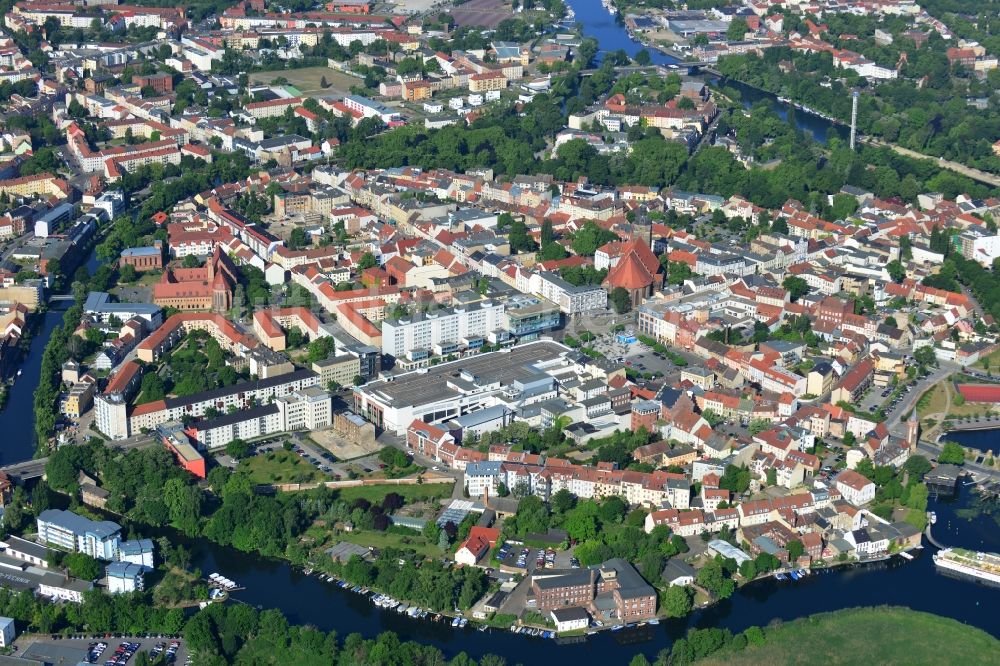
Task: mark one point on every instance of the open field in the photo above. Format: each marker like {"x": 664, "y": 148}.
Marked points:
{"x": 341, "y": 447}
{"x": 904, "y": 637}
{"x": 280, "y": 467}
{"x": 409, "y": 493}
{"x": 486, "y": 13}
{"x": 383, "y": 540}
{"x": 308, "y": 79}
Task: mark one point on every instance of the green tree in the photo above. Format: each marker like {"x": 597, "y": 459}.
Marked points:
{"x": 621, "y": 300}
{"x": 896, "y": 271}
{"x": 795, "y": 550}
{"x": 367, "y": 261}
{"x": 952, "y": 453}
{"x": 82, "y": 566}
{"x": 589, "y": 237}
{"x": 127, "y": 273}
{"x": 238, "y": 449}
{"x": 796, "y": 286}
{"x": 737, "y": 30}
{"x": 677, "y": 601}
{"x": 191, "y": 261}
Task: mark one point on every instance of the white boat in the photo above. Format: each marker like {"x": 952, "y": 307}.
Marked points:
{"x": 905, "y": 555}
{"x": 971, "y": 563}
{"x": 933, "y": 517}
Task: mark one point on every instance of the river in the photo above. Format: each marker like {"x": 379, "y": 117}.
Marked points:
{"x": 17, "y": 420}
{"x": 916, "y": 584}
{"x": 308, "y": 600}
{"x": 611, "y": 35}
{"x": 983, "y": 440}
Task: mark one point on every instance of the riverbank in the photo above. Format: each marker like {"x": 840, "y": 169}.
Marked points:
{"x": 903, "y": 636}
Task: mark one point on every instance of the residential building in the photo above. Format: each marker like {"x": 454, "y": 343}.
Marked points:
{"x": 99, "y": 539}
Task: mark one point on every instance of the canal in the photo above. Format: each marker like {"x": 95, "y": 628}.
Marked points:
{"x": 17, "y": 419}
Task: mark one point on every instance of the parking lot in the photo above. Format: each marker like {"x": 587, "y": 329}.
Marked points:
{"x": 514, "y": 556}
{"x": 320, "y": 458}
{"x": 108, "y": 651}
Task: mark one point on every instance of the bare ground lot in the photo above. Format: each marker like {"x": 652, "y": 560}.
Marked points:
{"x": 486, "y": 13}
{"x": 340, "y": 447}
{"x": 308, "y": 80}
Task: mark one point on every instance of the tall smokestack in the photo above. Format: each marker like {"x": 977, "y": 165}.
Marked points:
{"x": 854, "y": 117}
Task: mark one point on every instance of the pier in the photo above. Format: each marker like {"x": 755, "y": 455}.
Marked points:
{"x": 930, "y": 537}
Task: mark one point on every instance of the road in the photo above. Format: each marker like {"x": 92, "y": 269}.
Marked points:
{"x": 32, "y": 469}
{"x": 894, "y": 422}
{"x": 975, "y": 174}
{"x": 399, "y": 442}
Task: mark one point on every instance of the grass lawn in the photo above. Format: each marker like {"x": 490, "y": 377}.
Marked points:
{"x": 884, "y": 635}
{"x": 410, "y": 494}
{"x": 280, "y": 467}
{"x": 308, "y": 80}
{"x": 391, "y": 540}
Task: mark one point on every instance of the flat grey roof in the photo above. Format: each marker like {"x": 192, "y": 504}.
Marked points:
{"x": 431, "y": 385}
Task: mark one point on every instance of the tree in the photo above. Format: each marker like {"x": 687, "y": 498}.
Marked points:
{"x": 759, "y": 425}
{"x": 952, "y": 453}
{"x": 917, "y": 466}
{"x": 590, "y": 237}
{"x": 796, "y": 286}
{"x": 127, "y": 273}
{"x": 737, "y": 30}
{"x": 896, "y": 271}
{"x": 367, "y": 261}
{"x": 191, "y": 261}
{"x": 153, "y": 388}
{"x": 238, "y": 449}
{"x": 297, "y": 238}
{"x": 925, "y": 356}
{"x": 621, "y": 300}
{"x": 712, "y": 578}
{"x": 563, "y": 501}
{"x": 795, "y": 550}
{"x": 772, "y": 477}
{"x": 519, "y": 239}
{"x": 642, "y": 58}
{"x": 677, "y": 601}
{"x": 780, "y": 226}
{"x": 82, "y": 566}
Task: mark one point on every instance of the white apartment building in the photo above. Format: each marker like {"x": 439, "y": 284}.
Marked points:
{"x": 68, "y": 530}
{"x": 306, "y": 409}
{"x": 441, "y": 328}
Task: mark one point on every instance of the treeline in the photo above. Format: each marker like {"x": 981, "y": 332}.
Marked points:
{"x": 934, "y": 119}
{"x": 428, "y": 583}
{"x": 808, "y": 173}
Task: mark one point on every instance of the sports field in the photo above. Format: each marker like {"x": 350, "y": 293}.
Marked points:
{"x": 308, "y": 80}
{"x": 485, "y": 13}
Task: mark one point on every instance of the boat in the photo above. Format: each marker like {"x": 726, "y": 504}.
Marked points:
{"x": 18, "y": 372}
{"x": 463, "y": 622}
{"x": 780, "y": 576}
{"x": 454, "y": 622}
{"x": 985, "y": 566}
{"x": 794, "y": 574}
{"x": 653, "y": 622}
{"x": 482, "y": 627}
{"x": 933, "y": 517}
{"x": 617, "y": 627}
{"x": 803, "y": 573}
{"x": 307, "y": 572}
{"x": 905, "y": 555}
